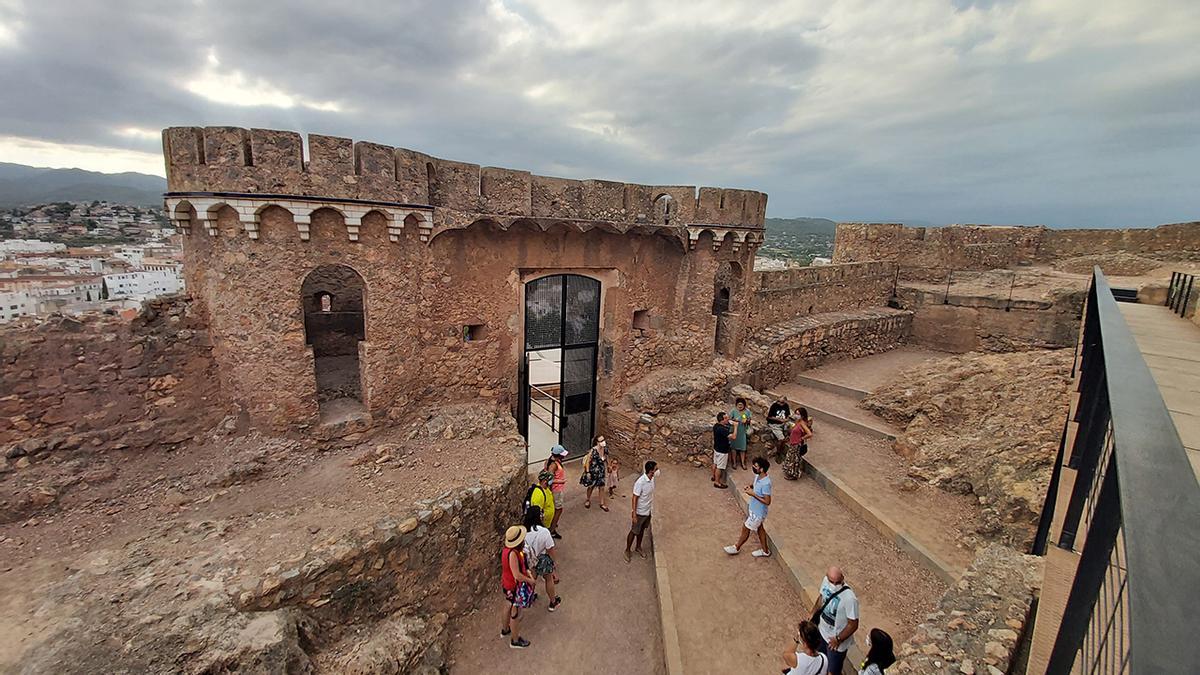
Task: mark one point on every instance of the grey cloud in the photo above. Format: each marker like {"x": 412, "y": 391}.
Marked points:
{"x": 985, "y": 136}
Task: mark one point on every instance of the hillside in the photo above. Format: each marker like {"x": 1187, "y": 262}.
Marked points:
{"x": 26, "y": 185}
{"x": 798, "y": 239}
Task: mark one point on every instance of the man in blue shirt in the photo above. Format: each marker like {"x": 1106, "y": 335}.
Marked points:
{"x": 760, "y": 499}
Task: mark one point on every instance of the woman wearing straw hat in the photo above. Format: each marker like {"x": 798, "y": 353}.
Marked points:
{"x": 517, "y": 584}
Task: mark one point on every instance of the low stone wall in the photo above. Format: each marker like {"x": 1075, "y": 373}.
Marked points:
{"x": 978, "y": 623}
{"x": 785, "y": 294}
{"x": 960, "y": 323}
{"x": 441, "y": 556}
{"x": 105, "y": 381}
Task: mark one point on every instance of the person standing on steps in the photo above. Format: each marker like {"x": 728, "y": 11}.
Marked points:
{"x": 797, "y": 445}
{"x": 643, "y": 504}
{"x": 542, "y": 496}
{"x": 760, "y": 499}
{"x": 517, "y": 585}
{"x": 778, "y": 417}
{"x": 554, "y": 464}
{"x": 723, "y": 433}
{"x": 594, "y": 468}
{"x": 879, "y": 653}
{"x": 539, "y": 553}
{"x": 836, "y": 611}
{"x": 806, "y": 657}
{"x": 741, "y": 424}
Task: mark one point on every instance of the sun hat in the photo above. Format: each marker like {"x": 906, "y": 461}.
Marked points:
{"x": 545, "y": 476}
{"x": 558, "y": 450}
{"x": 514, "y": 536}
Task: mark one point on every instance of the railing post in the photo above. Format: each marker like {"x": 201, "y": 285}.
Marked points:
{"x": 946, "y": 298}
{"x": 1187, "y": 295}
{"x": 1171, "y": 290}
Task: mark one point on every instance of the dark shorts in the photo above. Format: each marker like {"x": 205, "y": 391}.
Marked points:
{"x": 544, "y": 565}
{"x": 640, "y": 525}
{"x": 520, "y": 597}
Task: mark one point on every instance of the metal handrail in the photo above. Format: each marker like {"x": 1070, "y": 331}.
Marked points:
{"x": 1136, "y": 506}
{"x": 1179, "y": 292}
{"x": 554, "y": 405}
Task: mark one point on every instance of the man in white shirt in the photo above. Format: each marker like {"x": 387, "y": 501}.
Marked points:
{"x": 643, "y": 502}
{"x": 838, "y": 609}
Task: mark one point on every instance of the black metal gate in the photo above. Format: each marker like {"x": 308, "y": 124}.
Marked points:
{"x": 563, "y": 312}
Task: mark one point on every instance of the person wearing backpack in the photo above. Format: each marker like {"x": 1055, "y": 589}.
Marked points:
{"x": 541, "y": 496}
{"x": 836, "y": 614}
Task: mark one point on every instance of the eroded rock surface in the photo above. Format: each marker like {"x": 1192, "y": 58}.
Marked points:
{"x": 984, "y": 424}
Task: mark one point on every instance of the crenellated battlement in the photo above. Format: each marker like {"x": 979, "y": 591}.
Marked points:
{"x": 232, "y": 162}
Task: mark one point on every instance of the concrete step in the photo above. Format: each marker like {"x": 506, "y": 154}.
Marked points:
{"x": 832, "y": 387}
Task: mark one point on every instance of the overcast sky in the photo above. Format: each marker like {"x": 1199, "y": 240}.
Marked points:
{"x": 1060, "y": 112}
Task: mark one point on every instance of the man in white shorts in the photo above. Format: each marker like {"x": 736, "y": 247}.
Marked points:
{"x": 723, "y": 432}
{"x": 760, "y": 499}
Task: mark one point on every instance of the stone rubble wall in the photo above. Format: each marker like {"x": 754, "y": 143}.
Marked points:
{"x": 785, "y": 294}
{"x": 981, "y": 247}
{"x": 978, "y": 622}
{"x": 972, "y": 323}
{"x": 105, "y": 382}
{"x": 231, "y": 159}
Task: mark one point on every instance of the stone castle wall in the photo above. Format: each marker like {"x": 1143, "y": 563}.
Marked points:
{"x": 972, "y": 323}
{"x": 107, "y": 382}
{"x": 785, "y": 294}
{"x": 264, "y": 161}
{"x": 980, "y": 247}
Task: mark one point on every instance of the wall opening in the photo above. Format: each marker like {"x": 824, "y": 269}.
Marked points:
{"x": 558, "y": 366}
{"x": 726, "y": 293}
{"x": 664, "y": 209}
{"x": 474, "y": 332}
{"x": 641, "y": 319}
{"x": 334, "y": 298}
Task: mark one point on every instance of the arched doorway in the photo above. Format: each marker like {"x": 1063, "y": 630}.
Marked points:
{"x": 333, "y": 299}
{"x": 558, "y": 364}
{"x": 726, "y": 284}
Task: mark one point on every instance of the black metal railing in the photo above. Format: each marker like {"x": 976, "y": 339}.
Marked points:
{"x": 1179, "y": 293}
{"x": 1133, "y": 514}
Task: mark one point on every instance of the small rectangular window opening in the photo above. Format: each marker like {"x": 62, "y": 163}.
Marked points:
{"x": 641, "y": 319}
{"x": 474, "y": 332}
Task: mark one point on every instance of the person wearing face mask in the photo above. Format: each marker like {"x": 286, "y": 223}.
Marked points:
{"x": 836, "y": 613}
{"x": 879, "y": 653}
{"x": 594, "y": 468}
{"x": 760, "y": 499}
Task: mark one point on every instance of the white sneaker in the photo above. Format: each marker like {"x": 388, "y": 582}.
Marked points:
{"x": 731, "y": 550}
{"x": 761, "y": 554}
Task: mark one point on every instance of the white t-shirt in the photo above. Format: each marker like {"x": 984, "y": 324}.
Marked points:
{"x": 872, "y": 669}
{"x": 843, "y": 608}
{"x": 537, "y": 542}
{"x": 644, "y": 489}
{"x": 810, "y": 665}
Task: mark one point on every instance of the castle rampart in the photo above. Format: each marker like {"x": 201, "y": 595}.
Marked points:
{"x": 440, "y": 253}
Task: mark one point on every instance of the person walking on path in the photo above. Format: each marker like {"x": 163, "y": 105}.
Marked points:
{"x": 836, "y": 610}
{"x": 517, "y": 584}
{"x": 554, "y": 464}
{"x": 880, "y": 654}
{"x": 539, "y": 553}
{"x": 760, "y": 499}
{"x": 797, "y": 445}
{"x": 805, "y": 658}
{"x": 723, "y": 433}
{"x": 542, "y": 496}
{"x": 643, "y": 504}
{"x": 778, "y": 418}
{"x": 594, "y": 467}
{"x": 741, "y": 424}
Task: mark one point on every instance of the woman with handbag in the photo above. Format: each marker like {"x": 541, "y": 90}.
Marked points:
{"x": 805, "y": 658}
{"x": 797, "y": 445}
{"x": 517, "y": 584}
{"x": 594, "y": 467}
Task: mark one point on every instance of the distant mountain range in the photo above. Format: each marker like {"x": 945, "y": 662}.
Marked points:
{"x": 801, "y": 225}
{"x": 22, "y": 185}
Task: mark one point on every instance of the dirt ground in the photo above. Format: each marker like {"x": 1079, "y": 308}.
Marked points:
{"x": 870, "y": 372}
{"x": 735, "y": 614}
{"x": 257, "y": 499}
{"x": 609, "y": 617}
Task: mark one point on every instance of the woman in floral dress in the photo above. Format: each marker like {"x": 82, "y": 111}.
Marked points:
{"x": 594, "y": 468}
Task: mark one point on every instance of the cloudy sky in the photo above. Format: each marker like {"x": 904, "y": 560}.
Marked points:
{"x": 1062, "y": 112}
